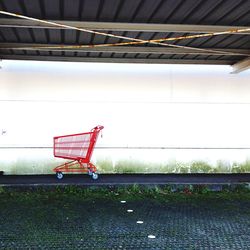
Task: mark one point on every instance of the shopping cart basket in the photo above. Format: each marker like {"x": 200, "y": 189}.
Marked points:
{"x": 78, "y": 148}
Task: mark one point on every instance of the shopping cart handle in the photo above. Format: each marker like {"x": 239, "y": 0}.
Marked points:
{"x": 99, "y": 127}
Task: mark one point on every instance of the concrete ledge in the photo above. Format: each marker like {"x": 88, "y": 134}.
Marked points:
{"x": 123, "y": 179}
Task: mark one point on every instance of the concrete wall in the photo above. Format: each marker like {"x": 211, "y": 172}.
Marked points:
{"x": 147, "y": 110}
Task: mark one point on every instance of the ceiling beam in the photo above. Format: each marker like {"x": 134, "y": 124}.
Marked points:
{"x": 114, "y": 60}
{"x": 115, "y": 26}
{"x": 125, "y": 49}
{"x": 241, "y": 66}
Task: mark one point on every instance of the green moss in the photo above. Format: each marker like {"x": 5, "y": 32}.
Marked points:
{"x": 133, "y": 192}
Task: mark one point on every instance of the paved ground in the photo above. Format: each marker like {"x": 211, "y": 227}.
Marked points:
{"x": 73, "y": 222}
{"x": 122, "y": 179}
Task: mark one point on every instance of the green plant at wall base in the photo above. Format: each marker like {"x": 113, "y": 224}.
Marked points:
{"x": 241, "y": 167}
{"x": 222, "y": 167}
{"x": 182, "y": 168}
{"x": 245, "y": 167}
{"x": 125, "y": 166}
{"x": 200, "y": 167}
{"x": 30, "y": 167}
{"x": 105, "y": 165}
{"x": 170, "y": 167}
{"x": 174, "y": 167}
{"x": 235, "y": 168}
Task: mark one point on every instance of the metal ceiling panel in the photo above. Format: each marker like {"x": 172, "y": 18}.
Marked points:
{"x": 9, "y": 35}
{"x": 2, "y": 38}
{"x": 71, "y": 9}
{"x": 203, "y": 11}
{"x": 225, "y": 8}
{"x": 7, "y": 52}
{"x": 167, "y": 56}
{"x": 24, "y": 35}
{"x": 129, "y": 55}
{"x": 166, "y": 9}
{"x": 68, "y": 53}
{"x": 183, "y": 11}
{"x": 243, "y": 43}
{"x": 94, "y": 54}
{"x": 19, "y": 52}
{"x": 100, "y": 39}
{"x": 70, "y": 36}
{"x": 234, "y": 58}
{"x": 55, "y": 36}
{"x": 153, "y": 56}
{"x": 50, "y": 8}
{"x": 42, "y": 53}
{"x": 40, "y": 36}
{"x": 11, "y": 5}
{"x": 188, "y": 57}
{"x": 235, "y": 16}
{"x": 244, "y": 20}
{"x": 30, "y": 8}
{"x": 221, "y": 41}
{"x": 84, "y": 38}
{"x": 107, "y": 55}
{"x": 110, "y": 39}
{"x": 142, "y": 56}
{"x": 128, "y": 10}
{"x": 56, "y": 53}
{"x": 90, "y": 9}
{"x": 81, "y": 54}
{"x": 109, "y": 10}
{"x": 145, "y": 35}
{"x": 145, "y": 10}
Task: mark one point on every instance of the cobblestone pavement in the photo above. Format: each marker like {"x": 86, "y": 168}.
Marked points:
{"x": 76, "y": 223}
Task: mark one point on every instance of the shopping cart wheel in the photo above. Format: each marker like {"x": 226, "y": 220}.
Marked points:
{"x": 90, "y": 172}
{"x": 94, "y": 176}
{"x": 59, "y": 175}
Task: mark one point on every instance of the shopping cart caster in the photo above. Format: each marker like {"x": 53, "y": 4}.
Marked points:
{"x": 59, "y": 175}
{"x": 94, "y": 176}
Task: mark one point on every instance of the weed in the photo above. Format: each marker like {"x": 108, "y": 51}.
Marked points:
{"x": 2, "y": 190}
{"x": 105, "y": 165}
{"x": 132, "y": 166}
{"x": 200, "y": 167}
{"x": 245, "y": 166}
{"x": 124, "y": 166}
{"x": 222, "y": 167}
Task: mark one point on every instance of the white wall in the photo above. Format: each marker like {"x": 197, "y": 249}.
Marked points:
{"x": 139, "y": 105}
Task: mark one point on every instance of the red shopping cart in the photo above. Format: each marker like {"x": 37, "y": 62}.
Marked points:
{"x": 78, "y": 148}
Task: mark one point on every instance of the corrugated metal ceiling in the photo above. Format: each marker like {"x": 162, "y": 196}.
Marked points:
{"x": 181, "y": 12}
